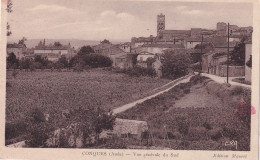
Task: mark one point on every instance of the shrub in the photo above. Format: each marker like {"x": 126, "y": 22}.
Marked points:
{"x": 186, "y": 91}
{"x": 78, "y": 67}
{"x": 140, "y": 71}
{"x": 36, "y": 115}
{"x": 92, "y": 60}
{"x": 12, "y": 61}
{"x": 38, "y": 127}
{"x": 16, "y": 129}
{"x": 96, "y": 60}
{"x": 207, "y": 126}
{"x": 39, "y": 133}
{"x": 175, "y": 65}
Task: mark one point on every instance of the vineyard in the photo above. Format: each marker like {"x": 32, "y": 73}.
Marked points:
{"x": 57, "y": 91}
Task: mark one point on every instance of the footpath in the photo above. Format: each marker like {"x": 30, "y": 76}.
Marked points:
{"x": 224, "y": 80}
{"x": 166, "y": 88}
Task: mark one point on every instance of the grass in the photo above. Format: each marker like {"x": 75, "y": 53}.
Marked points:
{"x": 65, "y": 90}
{"x": 57, "y": 91}
{"x": 204, "y": 117}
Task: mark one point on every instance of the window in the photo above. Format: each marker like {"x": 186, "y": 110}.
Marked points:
{"x": 141, "y": 58}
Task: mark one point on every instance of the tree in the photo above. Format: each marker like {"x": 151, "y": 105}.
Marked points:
{"x": 63, "y": 60}
{"x": 238, "y": 54}
{"x": 105, "y": 41}
{"x": 96, "y": 61}
{"x": 44, "y": 61}
{"x": 12, "y": 61}
{"x": 85, "y": 50}
{"x": 9, "y": 10}
{"x": 249, "y": 62}
{"x": 22, "y": 41}
{"x": 25, "y": 63}
{"x": 205, "y": 45}
{"x": 57, "y": 44}
{"x": 149, "y": 62}
{"x": 175, "y": 65}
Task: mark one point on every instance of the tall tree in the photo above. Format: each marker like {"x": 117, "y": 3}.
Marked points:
{"x": 238, "y": 54}
{"x": 175, "y": 65}
{"x": 9, "y": 10}
{"x": 105, "y": 41}
{"x": 249, "y": 62}
{"x": 12, "y": 61}
{"x": 57, "y": 44}
{"x": 85, "y": 50}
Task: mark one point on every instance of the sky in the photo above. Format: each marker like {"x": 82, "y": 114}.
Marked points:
{"x": 117, "y": 20}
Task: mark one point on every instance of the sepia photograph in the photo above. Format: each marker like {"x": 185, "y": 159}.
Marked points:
{"x": 132, "y": 75}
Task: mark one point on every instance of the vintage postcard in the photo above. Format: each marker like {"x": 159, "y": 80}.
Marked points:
{"x": 93, "y": 79}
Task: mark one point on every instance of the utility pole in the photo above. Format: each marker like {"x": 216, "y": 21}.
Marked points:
{"x": 228, "y": 54}
{"x": 201, "y": 52}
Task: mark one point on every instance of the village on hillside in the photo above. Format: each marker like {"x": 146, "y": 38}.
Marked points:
{"x": 176, "y": 90}
{"x": 123, "y": 55}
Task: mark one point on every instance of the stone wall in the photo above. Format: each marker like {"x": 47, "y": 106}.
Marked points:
{"x": 233, "y": 71}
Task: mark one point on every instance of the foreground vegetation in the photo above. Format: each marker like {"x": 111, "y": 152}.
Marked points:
{"x": 197, "y": 115}
{"x": 54, "y": 92}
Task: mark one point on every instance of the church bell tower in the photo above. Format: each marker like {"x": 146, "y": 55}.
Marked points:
{"x": 160, "y": 23}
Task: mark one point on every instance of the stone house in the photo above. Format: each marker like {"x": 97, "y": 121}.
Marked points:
{"x": 109, "y": 50}
{"x": 142, "y": 58}
{"x": 52, "y": 52}
{"x": 159, "y": 48}
{"x": 192, "y": 42}
{"x": 120, "y": 61}
{"x": 126, "y": 127}
{"x": 17, "y": 49}
{"x": 137, "y": 42}
{"x": 215, "y": 63}
{"x": 126, "y": 47}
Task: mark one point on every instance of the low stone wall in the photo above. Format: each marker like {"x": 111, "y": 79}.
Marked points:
{"x": 233, "y": 71}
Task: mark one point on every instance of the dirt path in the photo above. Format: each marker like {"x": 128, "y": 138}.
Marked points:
{"x": 224, "y": 80}
{"x": 171, "y": 85}
{"x": 199, "y": 97}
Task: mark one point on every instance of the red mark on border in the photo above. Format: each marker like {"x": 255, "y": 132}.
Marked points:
{"x": 253, "y": 111}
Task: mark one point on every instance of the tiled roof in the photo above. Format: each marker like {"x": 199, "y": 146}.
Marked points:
{"x": 164, "y": 45}
{"x": 179, "y": 51}
{"x": 192, "y": 39}
{"x": 176, "y": 31}
{"x": 51, "y": 48}
{"x": 145, "y": 53}
{"x": 15, "y": 45}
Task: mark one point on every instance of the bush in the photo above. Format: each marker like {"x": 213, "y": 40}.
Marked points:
{"x": 140, "y": 71}
{"x": 36, "y": 115}
{"x": 16, "y": 129}
{"x": 39, "y": 128}
{"x": 186, "y": 91}
{"x": 175, "y": 65}
{"x": 91, "y": 60}
{"x": 12, "y": 61}
{"x": 78, "y": 67}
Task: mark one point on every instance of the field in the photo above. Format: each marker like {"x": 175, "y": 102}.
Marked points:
{"x": 57, "y": 91}
{"x": 198, "y": 115}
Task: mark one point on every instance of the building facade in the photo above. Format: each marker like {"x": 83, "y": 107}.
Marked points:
{"x": 52, "y": 52}
{"x": 17, "y": 49}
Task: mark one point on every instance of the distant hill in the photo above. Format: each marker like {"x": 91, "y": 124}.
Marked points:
{"x": 76, "y": 43}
